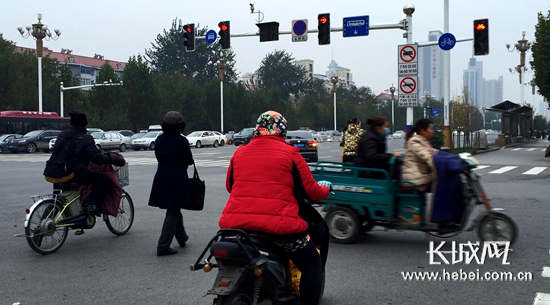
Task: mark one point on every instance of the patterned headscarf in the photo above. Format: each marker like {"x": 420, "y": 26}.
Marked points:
{"x": 270, "y": 123}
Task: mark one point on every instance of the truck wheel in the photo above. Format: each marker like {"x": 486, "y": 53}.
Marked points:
{"x": 343, "y": 224}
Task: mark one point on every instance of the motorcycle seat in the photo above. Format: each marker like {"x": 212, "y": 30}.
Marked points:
{"x": 229, "y": 248}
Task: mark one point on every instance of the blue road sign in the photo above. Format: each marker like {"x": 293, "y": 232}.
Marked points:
{"x": 447, "y": 41}
{"x": 437, "y": 113}
{"x": 356, "y": 26}
{"x": 211, "y": 36}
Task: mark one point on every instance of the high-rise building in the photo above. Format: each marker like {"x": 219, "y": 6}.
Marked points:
{"x": 430, "y": 68}
{"x": 473, "y": 82}
{"x": 492, "y": 92}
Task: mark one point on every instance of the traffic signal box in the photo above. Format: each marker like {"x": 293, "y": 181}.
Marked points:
{"x": 269, "y": 31}
{"x": 189, "y": 37}
{"x": 324, "y": 28}
{"x": 481, "y": 37}
{"x": 225, "y": 36}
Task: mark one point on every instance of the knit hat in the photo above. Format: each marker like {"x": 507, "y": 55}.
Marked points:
{"x": 173, "y": 118}
{"x": 270, "y": 123}
{"x": 78, "y": 119}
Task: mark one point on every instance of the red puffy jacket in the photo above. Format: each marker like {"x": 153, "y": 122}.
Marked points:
{"x": 261, "y": 185}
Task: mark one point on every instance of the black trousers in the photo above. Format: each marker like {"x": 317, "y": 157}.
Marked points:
{"x": 98, "y": 180}
{"x": 308, "y": 261}
{"x": 173, "y": 226}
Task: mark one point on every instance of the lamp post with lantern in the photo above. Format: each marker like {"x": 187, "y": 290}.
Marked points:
{"x": 40, "y": 32}
{"x": 392, "y": 91}
{"x": 222, "y": 64}
{"x": 522, "y": 46}
{"x": 335, "y": 80}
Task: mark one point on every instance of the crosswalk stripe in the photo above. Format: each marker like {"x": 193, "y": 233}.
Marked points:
{"x": 531, "y": 149}
{"x": 516, "y": 149}
{"x": 535, "y": 171}
{"x": 545, "y": 271}
{"x": 542, "y": 299}
{"x": 503, "y": 170}
{"x": 481, "y": 167}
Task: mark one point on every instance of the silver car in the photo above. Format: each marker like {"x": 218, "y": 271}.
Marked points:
{"x": 109, "y": 140}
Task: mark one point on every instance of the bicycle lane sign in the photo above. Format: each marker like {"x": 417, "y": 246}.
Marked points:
{"x": 446, "y": 41}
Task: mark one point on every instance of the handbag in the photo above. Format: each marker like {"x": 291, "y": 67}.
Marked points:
{"x": 197, "y": 191}
{"x": 547, "y": 152}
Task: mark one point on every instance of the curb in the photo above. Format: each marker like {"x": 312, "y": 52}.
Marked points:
{"x": 483, "y": 151}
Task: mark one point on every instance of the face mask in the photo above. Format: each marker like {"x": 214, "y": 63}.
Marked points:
{"x": 387, "y": 131}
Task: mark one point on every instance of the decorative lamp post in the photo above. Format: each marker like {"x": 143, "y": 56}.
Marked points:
{"x": 334, "y": 80}
{"x": 39, "y": 31}
{"x": 522, "y": 46}
{"x": 428, "y": 109}
{"x": 392, "y": 91}
{"x": 222, "y": 65}
{"x": 409, "y": 9}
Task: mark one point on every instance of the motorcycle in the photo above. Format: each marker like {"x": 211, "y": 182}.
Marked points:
{"x": 252, "y": 270}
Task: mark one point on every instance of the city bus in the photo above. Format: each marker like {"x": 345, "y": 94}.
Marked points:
{"x": 21, "y": 122}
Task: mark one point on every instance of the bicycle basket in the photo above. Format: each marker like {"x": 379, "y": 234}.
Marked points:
{"x": 123, "y": 175}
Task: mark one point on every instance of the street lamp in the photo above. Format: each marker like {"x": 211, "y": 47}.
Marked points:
{"x": 392, "y": 91}
{"x": 522, "y": 46}
{"x": 222, "y": 65}
{"x": 62, "y": 89}
{"x": 335, "y": 80}
{"x": 39, "y": 31}
{"x": 427, "y": 109}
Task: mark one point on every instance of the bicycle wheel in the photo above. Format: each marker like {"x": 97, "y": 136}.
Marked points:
{"x": 122, "y": 223}
{"x": 43, "y": 234}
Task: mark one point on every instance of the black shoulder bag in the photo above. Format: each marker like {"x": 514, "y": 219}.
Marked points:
{"x": 197, "y": 191}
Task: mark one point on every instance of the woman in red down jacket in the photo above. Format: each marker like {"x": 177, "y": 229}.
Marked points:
{"x": 261, "y": 182}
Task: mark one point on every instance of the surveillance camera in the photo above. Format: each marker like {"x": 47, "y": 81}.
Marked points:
{"x": 251, "y": 8}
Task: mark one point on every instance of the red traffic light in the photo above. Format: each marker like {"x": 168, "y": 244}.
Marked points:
{"x": 323, "y": 19}
{"x": 222, "y": 26}
{"x": 187, "y": 28}
{"x": 480, "y": 27}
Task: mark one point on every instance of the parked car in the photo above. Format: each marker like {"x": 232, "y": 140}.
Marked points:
{"x": 229, "y": 137}
{"x": 33, "y": 141}
{"x": 303, "y": 140}
{"x": 92, "y": 130}
{"x": 317, "y": 136}
{"x": 325, "y": 136}
{"x": 125, "y": 139}
{"x": 4, "y": 140}
{"x": 52, "y": 143}
{"x": 109, "y": 140}
{"x": 147, "y": 141}
{"x": 399, "y": 134}
{"x": 199, "y": 139}
{"x": 221, "y": 137}
{"x": 126, "y": 133}
{"x": 243, "y": 137}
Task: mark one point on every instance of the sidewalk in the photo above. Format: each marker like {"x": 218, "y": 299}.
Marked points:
{"x": 493, "y": 146}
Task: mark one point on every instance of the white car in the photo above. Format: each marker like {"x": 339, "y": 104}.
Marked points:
{"x": 221, "y": 137}
{"x": 199, "y": 139}
{"x": 399, "y": 134}
{"x": 147, "y": 141}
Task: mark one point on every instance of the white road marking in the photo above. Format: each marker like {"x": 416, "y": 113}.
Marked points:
{"x": 545, "y": 271}
{"x": 542, "y": 299}
{"x": 516, "y": 149}
{"x": 503, "y": 170}
{"x": 481, "y": 167}
{"x": 531, "y": 149}
{"x": 535, "y": 171}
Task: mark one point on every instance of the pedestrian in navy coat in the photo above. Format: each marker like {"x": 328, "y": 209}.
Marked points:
{"x": 170, "y": 189}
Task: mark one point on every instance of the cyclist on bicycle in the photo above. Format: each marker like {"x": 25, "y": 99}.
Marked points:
{"x": 84, "y": 152}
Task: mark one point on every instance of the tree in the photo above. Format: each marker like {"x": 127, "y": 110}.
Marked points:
{"x": 541, "y": 56}
{"x": 168, "y": 55}
{"x": 142, "y": 92}
{"x": 279, "y": 70}
{"x": 109, "y": 104}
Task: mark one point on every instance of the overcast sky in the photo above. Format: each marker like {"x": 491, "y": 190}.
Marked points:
{"x": 122, "y": 28}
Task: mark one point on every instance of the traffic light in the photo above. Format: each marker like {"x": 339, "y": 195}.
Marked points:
{"x": 324, "y": 28}
{"x": 269, "y": 31}
{"x": 481, "y": 37}
{"x": 189, "y": 37}
{"x": 225, "y": 36}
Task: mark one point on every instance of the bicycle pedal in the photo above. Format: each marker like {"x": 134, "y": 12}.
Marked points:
{"x": 79, "y": 232}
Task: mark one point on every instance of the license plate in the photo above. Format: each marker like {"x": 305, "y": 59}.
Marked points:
{"x": 298, "y": 145}
{"x": 11, "y": 146}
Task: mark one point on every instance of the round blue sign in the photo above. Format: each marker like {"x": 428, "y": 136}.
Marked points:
{"x": 299, "y": 27}
{"x": 211, "y": 36}
{"x": 447, "y": 41}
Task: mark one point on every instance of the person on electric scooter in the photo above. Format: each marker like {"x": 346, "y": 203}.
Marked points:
{"x": 262, "y": 179}
{"x": 372, "y": 147}
{"x": 418, "y": 165}
{"x": 85, "y": 151}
